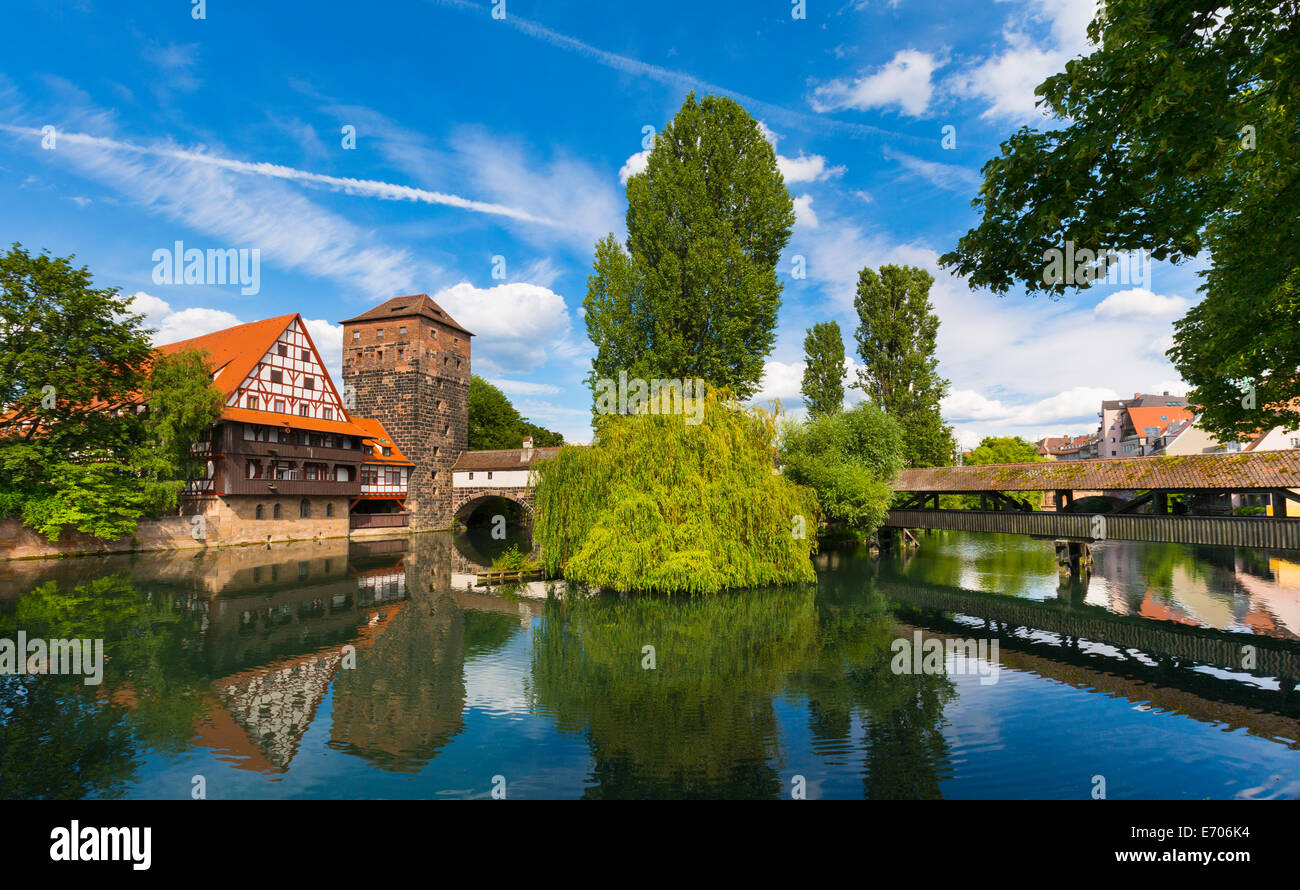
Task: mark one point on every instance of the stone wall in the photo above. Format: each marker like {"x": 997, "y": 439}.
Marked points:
{"x": 417, "y": 384}
{"x": 225, "y": 522}
{"x": 462, "y": 497}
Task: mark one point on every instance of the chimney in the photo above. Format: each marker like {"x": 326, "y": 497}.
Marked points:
{"x": 527, "y": 454}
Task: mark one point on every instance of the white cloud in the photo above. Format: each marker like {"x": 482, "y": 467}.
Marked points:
{"x": 633, "y": 165}
{"x": 524, "y": 387}
{"x": 1006, "y": 80}
{"x": 175, "y": 325}
{"x": 1139, "y": 302}
{"x": 903, "y": 81}
{"x": 805, "y": 168}
{"x": 517, "y": 324}
{"x": 803, "y": 212}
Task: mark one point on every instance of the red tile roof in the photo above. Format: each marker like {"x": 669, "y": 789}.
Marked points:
{"x": 236, "y": 351}
{"x": 1157, "y": 418}
{"x": 374, "y": 430}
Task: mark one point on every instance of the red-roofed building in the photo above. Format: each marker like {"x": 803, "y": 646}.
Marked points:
{"x": 287, "y": 459}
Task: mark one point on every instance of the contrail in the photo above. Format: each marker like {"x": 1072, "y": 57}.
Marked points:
{"x": 629, "y": 65}
{"x": 370, "y": 188}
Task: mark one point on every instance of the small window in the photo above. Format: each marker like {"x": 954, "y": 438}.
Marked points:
{"x": 309, "y": 383}
{"x": 251, "y": 402}
{"x": 329, "y": 511}
{"x": 388, "y": 452}
{"x": 471, "y": 475}
{"x": 304, "y": 509}
{"x": 306, "y": 355}
{"x": 379, "y": 333}
{"x": 260, "y": 511}
{"x": 327, "y": 413}
{"x": 282, "y": 349}
{"x": 379, "y": 354}
{"x": 304, "y": 410}
{"x": 356, "y": 335}
{"x": 433, "y": 334}
{"x": 275, "y": 512}
{"x": 277, "y": 377}
{"x": 401, "y": 330}
{"x": 279, "y": 406}
{"x": 489, "y": 474}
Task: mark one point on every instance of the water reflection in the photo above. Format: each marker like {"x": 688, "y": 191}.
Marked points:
{"x": 366, "y": 670}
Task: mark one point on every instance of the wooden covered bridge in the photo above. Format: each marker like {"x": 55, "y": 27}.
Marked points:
{"x": 1144, "y": 484}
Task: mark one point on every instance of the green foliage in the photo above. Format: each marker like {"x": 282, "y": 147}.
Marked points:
{"x": 659, "y": 504}
{"x": 1179, "y": 134}
{"x": 1003, "y": 450}
{"x": 74, "y": 362}
{"x": 823, "y": 371}
{"x": 849, "y": 459}
{"x": 64, "y": 345}
{"x": 512, "y": 559}
{"x": 495, "y": 424}
{"x": 896, "y": 335}
{"x": 695, "y": 293}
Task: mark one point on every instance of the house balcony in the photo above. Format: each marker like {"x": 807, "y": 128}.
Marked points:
{"x": 242, "y": 448}
{"x": 291, "y": 487}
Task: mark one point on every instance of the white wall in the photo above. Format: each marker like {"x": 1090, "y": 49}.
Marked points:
{"x": 500, "y": 479}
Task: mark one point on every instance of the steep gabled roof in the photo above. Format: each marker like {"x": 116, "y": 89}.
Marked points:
{"x": 235, "y": 351}
{"x": 409, "y": 306}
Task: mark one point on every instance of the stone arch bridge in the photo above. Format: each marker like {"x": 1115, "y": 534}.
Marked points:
{"x": 478, "y": 476}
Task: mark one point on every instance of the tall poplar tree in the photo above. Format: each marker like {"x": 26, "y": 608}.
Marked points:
{"x": 694, "y": 293}
{"x": 897, "y": 332}
{"x": 823, "y": 369}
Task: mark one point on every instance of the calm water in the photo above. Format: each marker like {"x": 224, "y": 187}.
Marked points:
{"x": 236, "y": 667}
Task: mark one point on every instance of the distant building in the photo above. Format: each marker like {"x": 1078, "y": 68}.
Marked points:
{"x": 1068, "y": 447}
{"x": 1115, "y": 420}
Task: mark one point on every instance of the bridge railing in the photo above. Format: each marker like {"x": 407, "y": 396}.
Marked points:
{"x": 1229, "y": 531}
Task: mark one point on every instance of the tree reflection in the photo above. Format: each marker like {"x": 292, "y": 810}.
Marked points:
{"x": 701, "y": 722}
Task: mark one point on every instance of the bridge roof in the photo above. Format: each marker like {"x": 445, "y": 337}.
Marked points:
{"x": 1225, "y": 472}
{"x": 508, "y": 459}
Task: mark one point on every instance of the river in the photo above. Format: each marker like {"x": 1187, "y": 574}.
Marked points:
{"x": 368, "y": 670}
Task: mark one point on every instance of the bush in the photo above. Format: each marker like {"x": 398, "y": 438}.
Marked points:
{"x": 849, "y": 459}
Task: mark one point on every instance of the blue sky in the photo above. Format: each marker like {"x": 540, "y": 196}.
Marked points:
{"x": 481, "y": 137}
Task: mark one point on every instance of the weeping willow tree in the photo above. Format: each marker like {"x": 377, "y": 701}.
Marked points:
{"x": 664, "y": 505}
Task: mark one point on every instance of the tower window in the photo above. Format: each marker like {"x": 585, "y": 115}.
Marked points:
{"x": 401, "y": 330}
{"x": 356, "y": 335}
{"x": 379, "y": 332}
